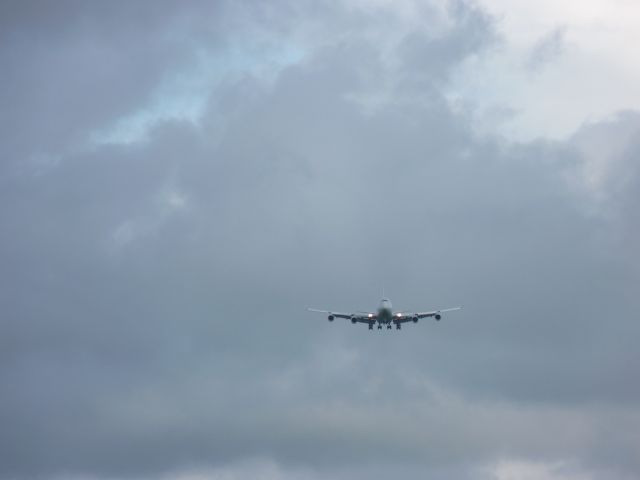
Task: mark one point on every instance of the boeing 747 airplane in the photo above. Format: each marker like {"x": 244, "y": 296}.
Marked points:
{"x": 385, "y": 315}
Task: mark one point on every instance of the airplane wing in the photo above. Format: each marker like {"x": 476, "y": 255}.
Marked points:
{"x": 361, "y": 317}
{"x": 414, "y": 317}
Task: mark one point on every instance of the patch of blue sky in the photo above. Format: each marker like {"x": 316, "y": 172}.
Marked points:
{"x": 184, "y": 96}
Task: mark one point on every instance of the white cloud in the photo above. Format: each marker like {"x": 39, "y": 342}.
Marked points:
{"x": 527, "y": 470}
{"x": 596, "y": 74}
{"x": 169, "y": 201}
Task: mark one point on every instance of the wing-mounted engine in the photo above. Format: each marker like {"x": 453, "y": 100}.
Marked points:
{"x": 415, "y": 319}
{"x": 438, "y": 316}
{"x": 354, "y": 319}
{"x": 331, "y": 318}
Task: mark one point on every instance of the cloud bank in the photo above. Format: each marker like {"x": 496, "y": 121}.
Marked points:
{"x": 179, "y": 183}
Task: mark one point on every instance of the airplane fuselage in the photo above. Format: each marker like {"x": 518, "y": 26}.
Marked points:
{"x": 385, "y": 311}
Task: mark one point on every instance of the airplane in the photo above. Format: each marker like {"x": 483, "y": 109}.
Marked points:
{"x": 384, "y": 316}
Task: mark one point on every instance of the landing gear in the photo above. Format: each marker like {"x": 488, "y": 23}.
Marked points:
{"x": 371, "y": 326}
{"x": 398, "y": 326}
{"x": 379, "y": 327}
{"x": 389, "y": 326}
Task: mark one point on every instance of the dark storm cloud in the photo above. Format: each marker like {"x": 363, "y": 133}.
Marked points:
{"x": 64, "y": 72}
{"x": 153, "y": 293}
{"x": 70, "y": 68}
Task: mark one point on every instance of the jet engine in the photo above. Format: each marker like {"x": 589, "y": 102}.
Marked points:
{"x": 331, "y": 317}
{"x": 415, "y": 319}
{"x": 438, "y": 316}
{"x": 354, "y": 320}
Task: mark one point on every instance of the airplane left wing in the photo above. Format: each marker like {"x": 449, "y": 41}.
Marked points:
{"x": 414, "y": 317}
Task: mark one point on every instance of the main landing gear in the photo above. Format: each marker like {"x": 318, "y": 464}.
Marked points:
{"x": 389, "y": 326}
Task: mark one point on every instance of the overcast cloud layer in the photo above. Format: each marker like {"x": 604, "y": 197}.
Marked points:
{"x": 177, "y": 184}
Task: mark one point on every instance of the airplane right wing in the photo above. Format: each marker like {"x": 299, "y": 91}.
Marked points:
{"x": 363, "y": 317}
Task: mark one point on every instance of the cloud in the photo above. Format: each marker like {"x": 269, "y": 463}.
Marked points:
{"x": 524, "y": 470}
{"x": 589, "y": 75}
{"x": 547, "y": 49}
{"x": 153, "y": 290}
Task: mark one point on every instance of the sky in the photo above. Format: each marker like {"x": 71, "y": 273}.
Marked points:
{"x": 179, "y": 181}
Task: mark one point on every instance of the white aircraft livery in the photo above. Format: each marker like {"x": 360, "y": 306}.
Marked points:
{"x": 385, "y": 315}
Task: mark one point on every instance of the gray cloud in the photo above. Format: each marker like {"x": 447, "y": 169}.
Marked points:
{"x": 153, "y": 293}
{"x": 547, "y": 49}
